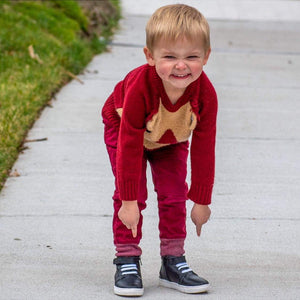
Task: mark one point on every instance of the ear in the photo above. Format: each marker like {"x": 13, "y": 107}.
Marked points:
{"x": 206, "y": 57}
{"x": 149, "y": 56}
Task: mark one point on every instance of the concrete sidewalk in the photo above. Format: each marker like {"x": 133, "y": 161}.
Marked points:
{"x": 55, "y": 219}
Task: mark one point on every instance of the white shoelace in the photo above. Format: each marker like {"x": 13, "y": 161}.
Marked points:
{"x": 183, "y": 267}
{"x": 129, "y": 269}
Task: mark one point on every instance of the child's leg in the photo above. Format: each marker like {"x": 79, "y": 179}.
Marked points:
{"x": 169, "y": 169}
{"x": 125, "y": 244}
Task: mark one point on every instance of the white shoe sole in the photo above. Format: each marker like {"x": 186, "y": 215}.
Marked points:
{"x": 184, "y": 289}
{"x": 128, "y": 291}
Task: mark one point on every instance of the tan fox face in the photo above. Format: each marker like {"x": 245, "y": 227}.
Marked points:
{"x": 169, "y": 127}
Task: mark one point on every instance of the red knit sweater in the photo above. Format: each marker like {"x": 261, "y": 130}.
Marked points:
{"x": 145, "y": 117}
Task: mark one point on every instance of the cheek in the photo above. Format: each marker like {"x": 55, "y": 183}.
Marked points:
{"x": 163, "y": 69}
{"x": 196, "y": 68}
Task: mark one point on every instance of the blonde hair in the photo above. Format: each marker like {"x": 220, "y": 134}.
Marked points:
{"x": 172, "y": 22}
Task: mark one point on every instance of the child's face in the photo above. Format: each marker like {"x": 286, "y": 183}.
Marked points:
{"x": 178, "y": 64}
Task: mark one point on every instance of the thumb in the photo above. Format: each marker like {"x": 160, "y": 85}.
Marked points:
{"x": 134, "y": 231}
{"x": 198, "y": 229}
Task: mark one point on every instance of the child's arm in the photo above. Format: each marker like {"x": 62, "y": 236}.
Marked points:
{"x": 129, "y": 214}
{"x": 130, "y": 145}
{"x": 203, "y": 146}
{"x": 203, "y": 155}
{"x": 200, "y": 215}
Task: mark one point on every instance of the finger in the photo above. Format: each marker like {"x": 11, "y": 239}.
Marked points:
{"x": 198, "y": 229}
{"x": 134, "y": 231}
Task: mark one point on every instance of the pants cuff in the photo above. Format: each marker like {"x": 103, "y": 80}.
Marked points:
{"x": 128, "y": 250}
{"x": 173, "y": 247}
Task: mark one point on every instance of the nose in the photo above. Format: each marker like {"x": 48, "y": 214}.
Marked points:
{"x": 180, "y": 65}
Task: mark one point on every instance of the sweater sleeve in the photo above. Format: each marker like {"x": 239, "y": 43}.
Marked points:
{"x": 203, "y": 148}
{"x": 130, "y": 144}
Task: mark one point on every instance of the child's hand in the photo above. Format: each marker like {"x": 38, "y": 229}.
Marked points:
{"x": 200, "y": 215}
{"x": 129, "y": 214}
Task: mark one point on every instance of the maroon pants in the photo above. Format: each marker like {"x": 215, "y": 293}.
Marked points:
{"x": 169, "y": 168}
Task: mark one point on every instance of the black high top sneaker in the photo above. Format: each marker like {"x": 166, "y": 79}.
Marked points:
{"x": 128, "y": 279}
{"x": 176, "y": 274}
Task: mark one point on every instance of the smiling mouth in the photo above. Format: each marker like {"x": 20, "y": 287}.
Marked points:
{"x": 181, "y": 76}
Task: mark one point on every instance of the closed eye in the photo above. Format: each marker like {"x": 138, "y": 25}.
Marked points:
{"x": 192, "y": 57}
{"x": 169, "y": 57}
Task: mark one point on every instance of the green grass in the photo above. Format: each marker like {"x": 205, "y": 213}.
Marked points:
{"x": 57, "y": 30}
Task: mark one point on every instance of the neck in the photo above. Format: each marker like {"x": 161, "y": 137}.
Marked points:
{"x": 173, "y": 94}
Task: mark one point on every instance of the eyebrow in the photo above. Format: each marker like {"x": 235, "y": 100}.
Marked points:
{"x": 193, "y": 52}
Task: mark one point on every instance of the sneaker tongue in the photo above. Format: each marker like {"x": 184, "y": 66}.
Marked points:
{"x": 121, "y": 260}
{"x": 176, "y": 259}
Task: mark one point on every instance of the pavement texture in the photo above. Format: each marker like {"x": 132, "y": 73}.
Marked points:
{"x": 55, "y": 218}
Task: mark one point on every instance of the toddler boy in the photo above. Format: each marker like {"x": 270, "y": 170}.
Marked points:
{"x": 149, "y": 117}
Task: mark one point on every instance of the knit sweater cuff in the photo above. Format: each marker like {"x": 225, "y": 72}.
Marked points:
{"x": 200, "y": 194}
{"x": 128, "y": 190}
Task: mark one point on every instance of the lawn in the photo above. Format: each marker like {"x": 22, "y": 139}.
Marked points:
{"x": 42, "y": 45}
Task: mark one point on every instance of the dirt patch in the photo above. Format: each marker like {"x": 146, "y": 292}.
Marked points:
{"x": 99, "y": 12}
